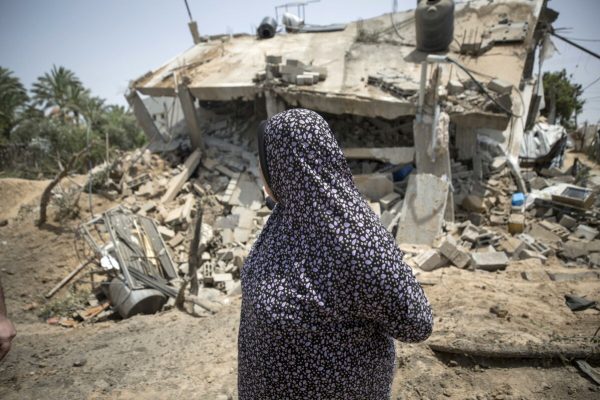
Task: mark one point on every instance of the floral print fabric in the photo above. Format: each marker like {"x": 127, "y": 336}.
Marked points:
{"x": 324, "y": 288}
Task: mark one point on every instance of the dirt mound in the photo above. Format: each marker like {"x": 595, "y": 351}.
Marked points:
{"x": 17, "y": 192}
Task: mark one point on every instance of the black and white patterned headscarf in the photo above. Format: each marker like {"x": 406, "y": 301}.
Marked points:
{"x": 324, "y": 284}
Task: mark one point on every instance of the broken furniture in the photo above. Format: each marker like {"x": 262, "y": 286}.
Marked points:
{"x": 132, "y": 250}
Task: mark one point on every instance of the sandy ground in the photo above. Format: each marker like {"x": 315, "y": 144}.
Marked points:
{"x": 173, "y": 354}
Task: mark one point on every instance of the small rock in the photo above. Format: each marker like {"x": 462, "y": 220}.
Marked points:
{"x": 80, "y": 363}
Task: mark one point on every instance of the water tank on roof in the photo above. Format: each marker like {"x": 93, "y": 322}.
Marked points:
{"x": 434, "y": 22}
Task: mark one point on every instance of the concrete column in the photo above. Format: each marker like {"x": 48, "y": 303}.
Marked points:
{"x": 440, "y": 165}
{"x": 191, "y": 115}
{"x": 423, "y": 134}
{"x": 274, "y": 103}
{"x": 143, "y": 115}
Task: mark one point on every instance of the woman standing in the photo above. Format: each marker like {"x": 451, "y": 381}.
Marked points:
{"x": 324, "y": 289}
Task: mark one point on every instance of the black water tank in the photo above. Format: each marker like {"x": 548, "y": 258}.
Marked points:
{"x": 434, "y": 22}
{"x": 267, "y": 28}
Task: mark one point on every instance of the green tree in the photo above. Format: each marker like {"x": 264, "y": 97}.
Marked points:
{"x": 60, "y": 92}
{"x": 562, "y": 97}
{"x": 13, "y": 99}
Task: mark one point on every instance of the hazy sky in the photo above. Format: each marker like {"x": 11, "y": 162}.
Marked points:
{"x": 109, "y": 42}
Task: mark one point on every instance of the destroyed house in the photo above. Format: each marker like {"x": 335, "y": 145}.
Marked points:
{"x": 385, "y": 99}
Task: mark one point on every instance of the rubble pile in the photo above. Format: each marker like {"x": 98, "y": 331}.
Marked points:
{"x": 293, "y": 72}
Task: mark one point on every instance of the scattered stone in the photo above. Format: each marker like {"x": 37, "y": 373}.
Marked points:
{"x": 430, "y": 260}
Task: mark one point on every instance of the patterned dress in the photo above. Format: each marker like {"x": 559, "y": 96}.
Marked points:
{"x": 324, "y": 288}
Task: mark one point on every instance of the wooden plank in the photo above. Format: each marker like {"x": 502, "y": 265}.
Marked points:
{"x": 67, "y": 278}
{"x": 178, "y": 181}
{"x": 392, "y": 155}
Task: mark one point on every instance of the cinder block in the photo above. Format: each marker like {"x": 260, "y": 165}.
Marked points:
{"x": 456, "y": 256}
{"x": 430, "y": 260}
{"x": 491, "y": 261}
{"x": 586, "y": 232}
{"x": 568, "y": 222}
{"x": 272, "y": 59}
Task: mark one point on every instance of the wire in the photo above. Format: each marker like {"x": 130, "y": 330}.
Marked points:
{"x": 483, "y": 89}
{"x": 188, "y": 10}
{"x": 591, "y": 84}
{"x": 584, "y": 40}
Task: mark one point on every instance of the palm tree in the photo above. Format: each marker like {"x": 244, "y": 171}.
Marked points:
{"x": 61, "y": 92}
{"x": 13, "y": 98}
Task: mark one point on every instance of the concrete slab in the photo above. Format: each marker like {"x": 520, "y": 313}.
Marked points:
{"x": 422, "y": 210}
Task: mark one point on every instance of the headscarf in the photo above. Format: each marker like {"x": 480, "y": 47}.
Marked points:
{"x": 323, "y": 256}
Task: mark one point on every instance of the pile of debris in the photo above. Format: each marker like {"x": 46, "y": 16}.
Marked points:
{"x": 141, "y": 248}
{"x": 293, "y": 72}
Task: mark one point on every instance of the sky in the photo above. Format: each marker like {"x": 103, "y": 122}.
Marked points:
{"x": 107, "y": 43}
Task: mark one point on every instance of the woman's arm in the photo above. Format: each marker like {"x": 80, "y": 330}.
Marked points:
{"x": 391, "y": 297}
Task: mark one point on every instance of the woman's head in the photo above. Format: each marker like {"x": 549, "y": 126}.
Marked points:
{"x": 300, "y": 157}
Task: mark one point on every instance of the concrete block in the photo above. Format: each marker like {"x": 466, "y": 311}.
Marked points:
{"x": 291, "y": 70}
{"x": 430, "y": 260}
{"x": 166, "y": 232}
{"x": 542, "y": 234}
{"x": 586, "y": 232}
{"x": 538, "y": 183}
{"x": 527, "y": 254}
{"x": 500, "y": 86}
{"x": 574, "y": 250}
{"x": 535, "y": 276}
{"x": 577, "y": 276}
{"x": 470, "y": 234}
{"x": 555, "y": 228}
{"x": 176, "y": 240}
{"x": 594, "y": 259}
{"x": 534, "y": 245}
{"x": 492, "y": 261}
{"x": 568, "y": 222}
{"x": 593, "y": 246}
{"x": 292, "y": 62}
{"x": 512, "y": 246}
{"x": 305, "y": 79}
{"x": 456, "y": 256}
{"x": 273, "y": 59}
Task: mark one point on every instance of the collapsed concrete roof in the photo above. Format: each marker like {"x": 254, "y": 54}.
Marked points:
{"x": 225, "y": 69}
